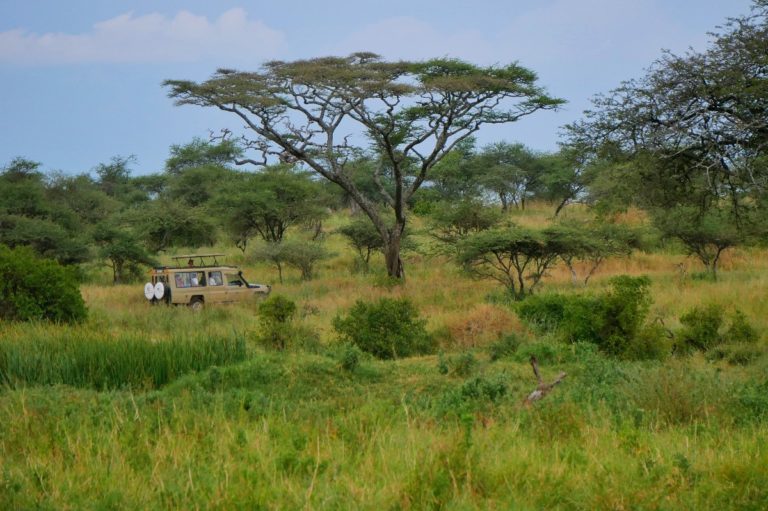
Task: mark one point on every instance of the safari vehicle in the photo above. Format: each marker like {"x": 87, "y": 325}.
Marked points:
{"x": 198, "y": 279}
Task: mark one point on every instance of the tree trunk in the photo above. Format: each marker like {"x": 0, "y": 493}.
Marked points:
{"x": 561, "y": 205}
{"x": 395, "y": 268}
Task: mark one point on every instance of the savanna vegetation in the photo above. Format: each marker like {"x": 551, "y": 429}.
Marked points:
{"x": 583, "y": 329}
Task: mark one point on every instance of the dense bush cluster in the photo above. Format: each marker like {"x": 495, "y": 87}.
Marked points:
{"x": 32, "y": 288}
{"x": 275, "y": 315}
{"x": 614, "y": 320}
{"x": 388, "y": 329}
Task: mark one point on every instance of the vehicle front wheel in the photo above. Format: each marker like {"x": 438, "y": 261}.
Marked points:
{"x": 196, "y": 304}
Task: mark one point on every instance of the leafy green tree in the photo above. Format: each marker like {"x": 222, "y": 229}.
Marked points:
{"x": 413, "y": 114}
{"x": 511, "y": 256}
{"x": 81, "y": 196}
{"x": 591, "y": 244}
{"x": 47, "y": 238}
{"x": 454, "y": 221}
{"x": 22, "y": 189}
{"x": 364, "y": 238}
{"x": 564, "y": 177}
{"x": 32, "y": 288}
{"x": 197, "y": 186}
{"x": 201, "y": 153}
{"x": 512, "y": 172}
{"x": 114, "y": 177}
{"x": 705, "y": 235}
{"x": 271, "y": 252}
{"x": 123, "y": 251}
{"x": 455, "y": 176}
{"x": 268, "y": 203}
{"x": 692, "y": 134}
{"x": 162, "y": 224}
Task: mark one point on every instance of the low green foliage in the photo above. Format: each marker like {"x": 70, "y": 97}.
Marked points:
{"x": 613, "y": 320}
{"x": 704, "y": 329}
{"x": 701, "y": 327}
{"x": 462, "y": 365}
{"x": 32, "y": 288}
{"x": 275, "y": 316}
{"x": 94, "y": 361}
{"x": 389, "y": 328}
{"x": 504, "y": 347}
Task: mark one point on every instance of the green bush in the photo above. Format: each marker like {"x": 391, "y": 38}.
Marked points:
{"x": 349, "y": 357}
{"x": 701, "y": 328}
{"x": 613, "y": 320}
{"x": 740, "y": 330}
{"x": 504, "y": 347}
{"x": 387, "y": 329}
{"x": 474, "y": 395}
{"x": 32, "y": 288}
{"x": 461, "y": 365}
{"x": 543, "y": 312}
{"x": 275, "y": 314}
{"x": 651, "y": 343}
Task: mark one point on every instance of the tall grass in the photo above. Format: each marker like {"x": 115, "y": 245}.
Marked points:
{"x": 152, "y": 424}
{"x": 109, "y": 363}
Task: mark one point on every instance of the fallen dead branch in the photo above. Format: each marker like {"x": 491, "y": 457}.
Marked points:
{"x": 543, "y": 388}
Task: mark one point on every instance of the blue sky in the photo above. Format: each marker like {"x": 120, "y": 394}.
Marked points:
{"x": 80, "y": 81}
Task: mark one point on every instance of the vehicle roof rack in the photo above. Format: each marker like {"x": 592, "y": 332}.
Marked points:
{"x": 184, "y": 259}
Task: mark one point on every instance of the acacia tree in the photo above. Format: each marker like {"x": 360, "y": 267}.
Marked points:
{"x": 511, "y": 256}
{"x": 412, "y": 113}
{"x": 697, "y": 123}
{"x": 512, "y": 172}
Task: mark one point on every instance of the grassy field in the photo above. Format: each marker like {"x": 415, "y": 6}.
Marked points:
{"x": 160, "y": 408}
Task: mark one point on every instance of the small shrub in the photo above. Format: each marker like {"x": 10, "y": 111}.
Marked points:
{"x": 504, "y": 347}
{"x": 735, "y": 353}
{"x": 701, "y": 328}
{"x": 32, "y": 288}
{"x": 475, "y": 394}
{"x": 740, "y": 330}
{"x": 461, "y": 365}
{"x": 275, "y": 315}
{"x": 612, "y": 320}
{"x": 543, "y": 312}
{"x": 650, "y": 343}
{"x": 750, "y": 402}
{"x": 387, "y": 329}
{"x": 304, "y": 256}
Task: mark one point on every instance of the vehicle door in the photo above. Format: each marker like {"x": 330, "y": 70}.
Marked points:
{"x": 237, "y": 289}
{"x": 216, "y": 291}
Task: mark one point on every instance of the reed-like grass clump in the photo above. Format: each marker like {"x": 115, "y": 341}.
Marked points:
{"x": 93, "y": 361}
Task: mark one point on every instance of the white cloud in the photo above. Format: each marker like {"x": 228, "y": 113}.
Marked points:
{"x": 186, "y": 37}
{"x": 554, "y": 33}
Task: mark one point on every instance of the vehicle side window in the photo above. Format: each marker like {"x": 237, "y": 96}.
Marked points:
{"x": 190, "y": 279}
{"x": 215, "y": 278}
{"x": 233, "y": 279}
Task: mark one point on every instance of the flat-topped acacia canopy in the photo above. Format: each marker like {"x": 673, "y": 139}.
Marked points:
{"x": 411, "y": 114}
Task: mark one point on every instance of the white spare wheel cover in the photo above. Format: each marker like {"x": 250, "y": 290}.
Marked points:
{"x": 159, "y": 290}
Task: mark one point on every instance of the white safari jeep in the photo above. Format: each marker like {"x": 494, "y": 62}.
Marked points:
{"x": 198, "y": 279}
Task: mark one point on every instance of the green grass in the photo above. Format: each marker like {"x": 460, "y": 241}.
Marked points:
{"x": 92, "y": 361}
{"x": 146, "y": 407}
{"x": 287, "y": 431}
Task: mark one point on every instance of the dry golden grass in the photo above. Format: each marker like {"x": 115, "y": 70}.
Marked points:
{"x": 449, "y": 300}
